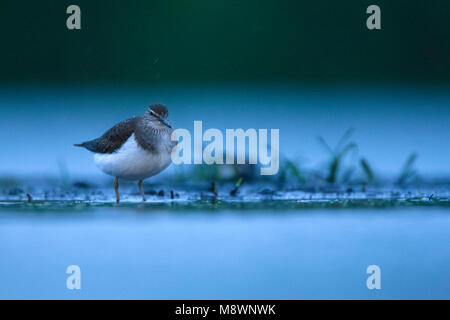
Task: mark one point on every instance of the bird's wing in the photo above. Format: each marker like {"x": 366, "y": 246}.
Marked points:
{"x": 113, "y": 139}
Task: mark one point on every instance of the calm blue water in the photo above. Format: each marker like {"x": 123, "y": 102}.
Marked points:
{"x": 43, "y": 123}
{"x": 311, "y": 254}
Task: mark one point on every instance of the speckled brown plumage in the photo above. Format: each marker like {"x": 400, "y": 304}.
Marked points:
{"x": 141, "y": 126}
{"x": 113, "y": 139}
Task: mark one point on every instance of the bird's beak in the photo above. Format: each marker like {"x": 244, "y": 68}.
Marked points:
{"x": 165, "y": 122}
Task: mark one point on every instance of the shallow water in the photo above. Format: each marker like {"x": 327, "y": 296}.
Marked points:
{"x": 136, "y": 252}
{"x": 263, "y": 243}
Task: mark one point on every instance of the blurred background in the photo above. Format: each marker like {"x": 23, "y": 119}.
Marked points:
{"x": 309, "y": 68}
{"x": 153, "y": 42}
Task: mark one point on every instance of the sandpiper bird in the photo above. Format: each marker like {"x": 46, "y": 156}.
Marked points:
{"x": 135, "y": 149}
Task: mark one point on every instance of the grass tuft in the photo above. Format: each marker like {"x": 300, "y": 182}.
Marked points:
{"x": 370, "y": 177}
{"x": 408, "y": 172}
{"x": 337, "y": 154}
{"x": 291, "y": 169}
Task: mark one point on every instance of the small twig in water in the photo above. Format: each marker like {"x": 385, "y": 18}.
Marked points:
{"x": 213, "y": 188}
{"x": 236, "y": 188}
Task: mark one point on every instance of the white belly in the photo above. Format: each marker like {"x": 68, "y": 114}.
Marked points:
{"x": 132, "y": 162}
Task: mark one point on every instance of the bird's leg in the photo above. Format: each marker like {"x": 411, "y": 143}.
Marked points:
{"x": 141, "y": 190}
{"x": 116, "y": 188}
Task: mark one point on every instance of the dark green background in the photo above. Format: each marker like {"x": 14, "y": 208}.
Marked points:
{"x": 233, "y": 40}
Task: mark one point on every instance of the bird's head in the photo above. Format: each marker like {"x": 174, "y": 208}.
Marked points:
{"x": 157, "y": 114}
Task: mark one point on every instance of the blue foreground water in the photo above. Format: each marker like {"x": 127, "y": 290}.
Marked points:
{"x": 131, "y": 253}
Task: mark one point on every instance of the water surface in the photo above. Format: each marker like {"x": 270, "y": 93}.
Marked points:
{"x": 143, "y": 253}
